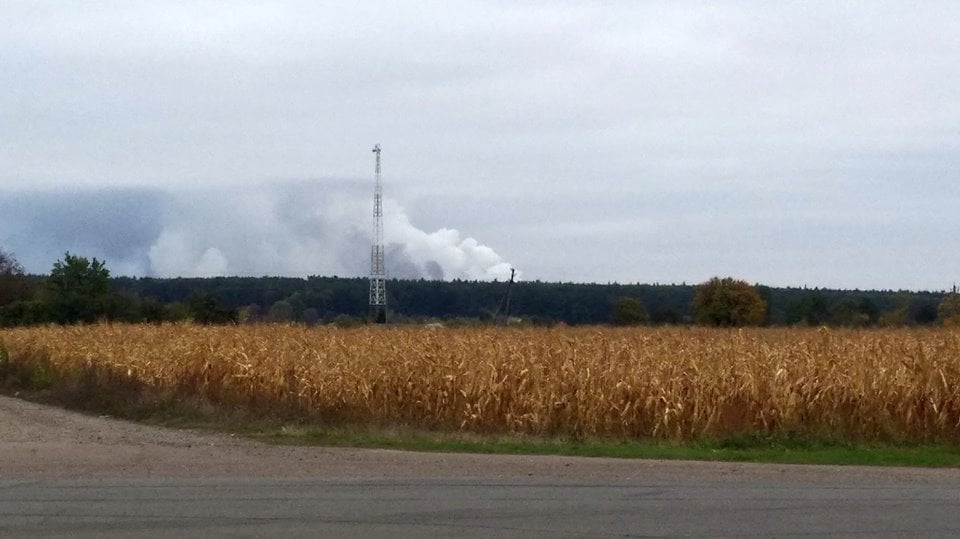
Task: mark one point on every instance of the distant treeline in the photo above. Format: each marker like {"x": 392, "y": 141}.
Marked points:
{"x": 323, "y": 299}
{"x": 81, "y": 290}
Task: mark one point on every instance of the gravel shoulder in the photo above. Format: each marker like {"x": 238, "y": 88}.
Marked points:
{"x": 45, "y": 442}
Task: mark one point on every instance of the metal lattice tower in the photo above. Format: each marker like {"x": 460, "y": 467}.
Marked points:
{"x": 378, "y": 275}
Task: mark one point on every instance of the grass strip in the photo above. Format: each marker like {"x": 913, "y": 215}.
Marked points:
{"x": 757, "y": 449}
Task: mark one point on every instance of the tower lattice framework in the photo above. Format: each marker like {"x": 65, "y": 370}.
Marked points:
{"x": 378, "y": 275}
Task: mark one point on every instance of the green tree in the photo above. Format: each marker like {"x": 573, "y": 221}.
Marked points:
{"x": 176, "y": 312}
{"x": 949, "y": 309}
{"x": 14, "y": 285}
{"x": 810, "y": 309}
{"x": 926, "y": 313}
{"x": 728, "y": 302}
{"x": 847, "y": 312}
{"x": 9, "y": 264}
{"x": 629, "y": 312}
{"x": 897, "y": 317}
{"x": 123, "y": 307}
{"x": 311, "y": 316}
{"x": 77, "y": 290}
{"x": 205, "y": 309}
{"x": 280, "y": 312}
{"x": 152, "y": 310}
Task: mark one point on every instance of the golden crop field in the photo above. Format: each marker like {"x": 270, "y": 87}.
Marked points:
{"x": 662, "y": 383}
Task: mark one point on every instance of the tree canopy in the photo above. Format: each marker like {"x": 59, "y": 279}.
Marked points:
{"x": 9, "y": 264}
{"x": 14, "y": 286}
{"x": 80, "y": 290}
{"x": 728, "y": 302}
{"x": 205, "y": 309}
{"x": 77, "y": 290}
{"x": 629, "y": 312}
{"x": 949, "y": 310}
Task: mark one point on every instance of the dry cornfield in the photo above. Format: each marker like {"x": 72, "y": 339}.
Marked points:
{"x": 669, "y": 383}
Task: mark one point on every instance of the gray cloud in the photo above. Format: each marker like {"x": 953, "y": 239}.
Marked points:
{"x": 112, "y": 224}
{"x": 319, "y": 227}
{"x": 792, "y": 143}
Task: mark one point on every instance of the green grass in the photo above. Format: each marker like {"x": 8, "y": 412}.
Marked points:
{"x": 736, "y": 449}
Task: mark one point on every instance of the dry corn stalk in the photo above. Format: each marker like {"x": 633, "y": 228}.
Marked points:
{"x": 670, "y": 383}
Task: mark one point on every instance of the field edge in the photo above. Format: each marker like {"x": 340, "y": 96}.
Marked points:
{"x": 745, "y": 447}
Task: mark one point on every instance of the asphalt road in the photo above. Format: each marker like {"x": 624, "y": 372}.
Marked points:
{"x": 478, "y": 508}
{"x": 68, "y": 475}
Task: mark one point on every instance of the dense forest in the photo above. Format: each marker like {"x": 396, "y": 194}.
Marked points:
{"x": 324, "y": 298}
{"x": 80, "y": 290}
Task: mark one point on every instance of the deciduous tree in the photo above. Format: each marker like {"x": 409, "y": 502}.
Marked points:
{"x": 14, "y": 285}
{"x": 629, "y": 312}
{"x": 728, "y": 302}
{"x": 205, "y": 309}
{"x": 77, "y": 290}
{"x": 949, "y": 310}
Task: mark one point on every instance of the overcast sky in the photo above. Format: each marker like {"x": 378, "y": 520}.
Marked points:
{"x": 787, "y": 143}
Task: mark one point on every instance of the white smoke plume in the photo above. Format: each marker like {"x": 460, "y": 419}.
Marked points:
{"x": 443, "y": 253}
{"x": 308, "y": 228}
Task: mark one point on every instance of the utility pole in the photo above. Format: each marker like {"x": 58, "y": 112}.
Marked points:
{"x": 378, "y": 275}
{"x": 502, "y": 317}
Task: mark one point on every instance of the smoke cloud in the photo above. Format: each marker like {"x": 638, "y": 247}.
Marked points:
{"x": 443, "y": 254}
{"x": 288, "y": 229}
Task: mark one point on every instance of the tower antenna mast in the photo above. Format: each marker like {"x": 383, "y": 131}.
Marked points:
{"x": 378, "y": 276}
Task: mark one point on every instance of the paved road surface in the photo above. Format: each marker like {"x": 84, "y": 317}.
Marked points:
{"x": 64, "y": 474}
